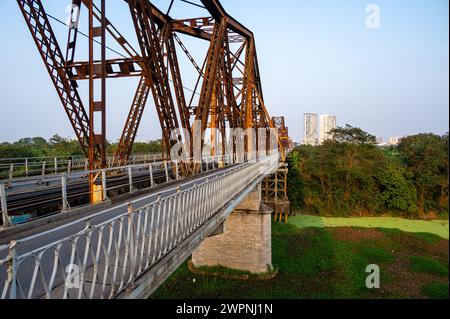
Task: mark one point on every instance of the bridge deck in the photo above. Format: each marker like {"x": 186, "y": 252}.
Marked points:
{"x": 116, "y": 241}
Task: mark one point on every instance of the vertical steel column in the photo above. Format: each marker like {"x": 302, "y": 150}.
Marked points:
{"x": 96, "y": 106}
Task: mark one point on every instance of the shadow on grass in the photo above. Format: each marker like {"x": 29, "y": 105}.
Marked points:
{"x": 311, "y": 264}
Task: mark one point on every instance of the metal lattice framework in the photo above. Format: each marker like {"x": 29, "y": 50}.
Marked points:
{"x": 283, "y": 131}
{"x": 229, "y": 83}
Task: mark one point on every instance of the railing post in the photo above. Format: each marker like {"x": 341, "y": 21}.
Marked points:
{"x": 56, "y": 165}
{"x": 167, "y": 171}
{"x": 105, "y": 193}
{"x": 65, "y": 203}
{"x": 4, "y": 205}
{"x": 130, "y": 178}
{"x": 69, "y": 167}
{"x": 179, "y": 214}
{"x": 131, "y": 239}
{"x": 26, "y": 167}
{"x": 177, "y": 174}
{"x": 12, "y": 269}
{"x": 43, "y": 172}
{"x": 152, "y": 182}
{"x": 11, "y": 171}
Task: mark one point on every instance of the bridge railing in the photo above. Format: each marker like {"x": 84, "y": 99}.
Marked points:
{"x": 63, "y": 192}
{"x": 101, "y": 261}
{"x": 12, "y": 169}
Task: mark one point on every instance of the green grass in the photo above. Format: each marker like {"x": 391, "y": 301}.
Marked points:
{"x": 437, "y": 227}
{"x": 313, "y": 264}
{"x": 436, "y": 290}
{"x": 427, "y": 265}
{"x": 375, "y": 254}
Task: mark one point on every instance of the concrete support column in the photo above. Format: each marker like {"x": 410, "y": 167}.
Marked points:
{"x": 245, "y": 244}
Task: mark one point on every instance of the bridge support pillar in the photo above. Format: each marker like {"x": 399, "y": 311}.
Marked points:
{"x": 245, "y": 244}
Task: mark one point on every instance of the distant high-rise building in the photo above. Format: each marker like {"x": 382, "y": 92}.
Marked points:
{"x": 327, "y": 124}
{"x": 394, "y": 140}
{"x": 379, "y": 140}
{"x": 310, "y": 129}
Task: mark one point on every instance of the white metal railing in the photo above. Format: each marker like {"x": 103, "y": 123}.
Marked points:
{"x": 67, "y": 190}
{"x": 102, "y": 260}
{"x": 18, "y": 168}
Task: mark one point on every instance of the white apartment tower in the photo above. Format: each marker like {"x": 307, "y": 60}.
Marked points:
{"x": 310, "y": 127}
{"x": 327, "y": 124}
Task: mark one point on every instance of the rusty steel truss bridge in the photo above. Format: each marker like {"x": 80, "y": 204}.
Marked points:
{"x": 229, "y": 87}
{"x": 123, "y": 248}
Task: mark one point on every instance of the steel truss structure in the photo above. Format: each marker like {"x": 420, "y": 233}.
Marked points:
{"x": 229, "y": 83}
{"x": 283, "y": 132}
{"x": 275, "y": 192}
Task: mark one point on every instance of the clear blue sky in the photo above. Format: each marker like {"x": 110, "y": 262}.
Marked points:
{"x": 315, "y": 56}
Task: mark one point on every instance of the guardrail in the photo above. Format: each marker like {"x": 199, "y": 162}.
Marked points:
{"x": 61, "y": 192}
{"x": 17, "y": 168}
{"x": 102, "y": 260}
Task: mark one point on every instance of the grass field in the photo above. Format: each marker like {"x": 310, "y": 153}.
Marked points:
{"x": 317, "y": 261}
{"x": 437, "y": 227}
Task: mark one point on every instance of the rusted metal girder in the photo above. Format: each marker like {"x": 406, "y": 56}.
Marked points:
{"x": 131, "y": 127}
{"x": 97, "y": 101}
{"x": 283, "y": 131}
{"x": 218, "y": 12}
{"x": 157, "y": 77}
{"x": 50, "y": 51}
{"x": 115, "y": 68}
{"x": 209, "y": 81}
{"x": 229, "y": 82}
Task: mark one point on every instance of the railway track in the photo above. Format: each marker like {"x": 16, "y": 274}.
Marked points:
{"x": 42, "y": 199}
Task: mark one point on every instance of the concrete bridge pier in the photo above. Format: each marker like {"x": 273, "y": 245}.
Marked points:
{"x": 246, "y": 240}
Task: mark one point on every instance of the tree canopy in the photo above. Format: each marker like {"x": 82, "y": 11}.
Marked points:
{"x": 61, "y": 146}
{"x": 353, "y": 135}
{"x": 350, "y": 175}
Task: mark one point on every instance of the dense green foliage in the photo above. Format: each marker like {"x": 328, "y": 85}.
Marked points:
{"x": 59, "y": 146}
{"x": 350, "y": 175}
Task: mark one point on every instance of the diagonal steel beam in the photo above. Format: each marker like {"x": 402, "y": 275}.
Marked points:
{"x": 154, "y": 68}
{"x": 50, "y": 51}
{"x": 125, "y": 145}
{"x": 210, "y": 77}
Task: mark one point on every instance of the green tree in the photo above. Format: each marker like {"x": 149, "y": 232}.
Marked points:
{"x": 353, "y": 135}
{"x": 351, "y": 176}
{"x": 397, "y": 192}
{"x": 426, "y": 158}
{"x": 295, "y": 184}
